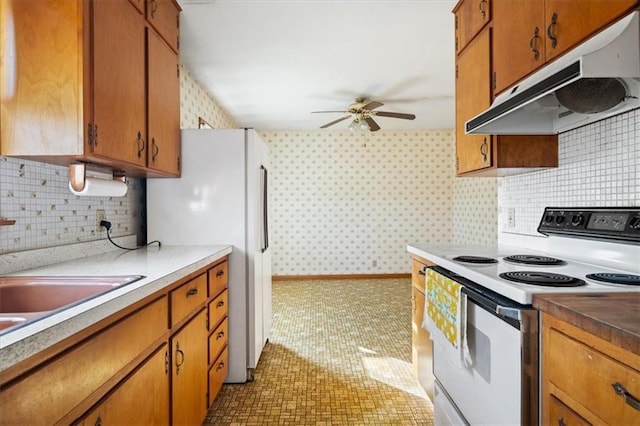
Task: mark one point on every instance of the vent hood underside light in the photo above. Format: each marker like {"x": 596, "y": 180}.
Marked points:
{"x": 531, "y": 107}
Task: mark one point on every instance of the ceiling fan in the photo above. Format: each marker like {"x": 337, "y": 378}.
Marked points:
{"x": 363, "y": 112}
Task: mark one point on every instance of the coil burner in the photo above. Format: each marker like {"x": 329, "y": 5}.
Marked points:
{"x": 547, "y": 279}
{"x": 528, "y": 259}
{"x": 615, "y": 278}
{"x": 479, "y": 260}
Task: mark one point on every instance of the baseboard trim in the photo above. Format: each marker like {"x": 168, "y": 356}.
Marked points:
{"x": 337, "y": 277}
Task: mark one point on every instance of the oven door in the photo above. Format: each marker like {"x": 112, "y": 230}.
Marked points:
{"x": 501, "y": 385}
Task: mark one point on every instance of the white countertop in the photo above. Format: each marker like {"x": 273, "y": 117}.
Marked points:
{"x": 160, "y": 266}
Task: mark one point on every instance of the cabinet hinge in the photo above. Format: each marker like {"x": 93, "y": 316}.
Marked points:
{"x": 178, "y": 42}
{"x": 178, "y": 70}
{"x": 456, "y": 44}
{"x": 457, "y": 163}
{"x": 456, "y": 71}
{"x": 92, "y": 134}
{"x": 178, "y": 21}
{"x": 178, "y": 164}
{"x": 456, "y": 24}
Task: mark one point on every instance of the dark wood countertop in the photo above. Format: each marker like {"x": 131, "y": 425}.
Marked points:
{"x": 614, "y": 317}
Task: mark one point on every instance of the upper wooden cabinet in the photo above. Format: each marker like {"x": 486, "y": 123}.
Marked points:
{"x": 528, "y": 34}
{"x": 471, "y": 16}
{"x": 488, "y": 155}
{"x": 81, "y": 83}
{"x": 163, "y": 15}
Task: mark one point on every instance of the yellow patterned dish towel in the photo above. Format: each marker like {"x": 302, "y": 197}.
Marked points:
{"x": 445, "y": 317}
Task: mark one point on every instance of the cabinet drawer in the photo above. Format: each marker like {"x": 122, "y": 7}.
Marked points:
{"x": 587, "y": 376}
{"x": 186, "y": 298}
{"x": 164, "y": 16}
{"x": 218, "y": 308}
{"x": 218, "y": 340}
{"x": 217, "y": 375}
{"x": 218, "y": 278}
{"x": 50, "y": 392}
{"x": 560, "y": 414}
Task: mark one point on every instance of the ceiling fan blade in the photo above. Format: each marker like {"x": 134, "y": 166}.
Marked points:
{"x": 395, "y": 115}
{"x": 316, "y": 112}
{"x": 372, "y": 105}
{"x": 373, "y": 126}
{"x": 335, "y": 121}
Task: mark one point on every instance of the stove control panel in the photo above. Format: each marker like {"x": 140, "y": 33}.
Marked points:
{"x": 615, "y": 223}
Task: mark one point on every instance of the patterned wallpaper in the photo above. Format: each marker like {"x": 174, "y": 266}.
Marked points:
{"x": 599, "y": 165}
{"x": 196, "y": 102}
{"x": 344, "y": 205}
{"x": 475, "y": 204}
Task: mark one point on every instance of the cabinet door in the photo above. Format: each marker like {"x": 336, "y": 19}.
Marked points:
{"x": 518, "y": 40}
{"x": 164, "y": 16}
{"x": 568, "y": 22}
{"x": 560, "y": 414}
{"x": 148, "y": 387}
{"x": 118, "y": 81}
{"x": 189, "y": 372}
{"x": 473, "y": 152}
{"x": 471, "y": 16}
{"x": 163, "y": 106}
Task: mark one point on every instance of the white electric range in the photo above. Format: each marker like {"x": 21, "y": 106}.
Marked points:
{"x": 584, "y": 249}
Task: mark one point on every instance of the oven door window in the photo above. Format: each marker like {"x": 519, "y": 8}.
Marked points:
{"x": 489, "y": 392}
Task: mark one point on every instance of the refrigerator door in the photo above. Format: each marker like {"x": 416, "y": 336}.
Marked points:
{"x": 208, "y": 205}
{"x": 259, "y": 291}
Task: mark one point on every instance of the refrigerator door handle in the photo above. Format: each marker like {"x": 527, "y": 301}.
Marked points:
{"x": 265, "y": 218}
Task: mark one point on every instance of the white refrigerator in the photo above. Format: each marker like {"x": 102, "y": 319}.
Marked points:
{"x": 221, "y": 198}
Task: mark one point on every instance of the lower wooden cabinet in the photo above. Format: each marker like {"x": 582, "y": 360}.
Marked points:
{"x": 421, "y": 346}
{"x": 148, "y": 386}
{"x": 161, "y": 361}
{"x": 189, "y": 372}
{"x": 583, "y": 377}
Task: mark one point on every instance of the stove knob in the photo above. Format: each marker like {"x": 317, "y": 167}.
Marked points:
{"x": 548, "y": 218}
{"x": 635, "y": 223}
{"x": 577, "y": 220}
{"x": 559, "y": 219}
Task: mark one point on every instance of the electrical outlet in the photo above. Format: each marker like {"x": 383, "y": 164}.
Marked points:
{"x": 100, "y": 216}
{"x": 374, "y": 263}
{"x": 511, "y": 220}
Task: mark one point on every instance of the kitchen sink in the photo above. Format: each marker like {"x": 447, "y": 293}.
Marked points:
{"x": 24, "y": 299}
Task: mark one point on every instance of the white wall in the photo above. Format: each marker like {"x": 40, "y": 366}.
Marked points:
{"x": 338, "y": 205}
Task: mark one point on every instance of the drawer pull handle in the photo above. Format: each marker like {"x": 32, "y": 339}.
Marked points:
{"x": 192, "y": 291}
{"x": 220, "y": 304}
{"x": 219, "y": 273}
{"x": 220, "y": 366}
{"x": 533, "y": 43}
{"x": 220, "y": 335}
{"x": 551, "y": 30}
{"x": 628, "y": 398}
{"x": 423, "y": 271}
{"x": 483, "y": 8}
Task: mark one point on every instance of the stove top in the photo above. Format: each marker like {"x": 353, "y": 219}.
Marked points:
{"x": 604, "y": 259}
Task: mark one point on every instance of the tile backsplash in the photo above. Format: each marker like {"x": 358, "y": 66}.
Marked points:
{"x": 599, "y": 165}
{"x": 37, "y": 196}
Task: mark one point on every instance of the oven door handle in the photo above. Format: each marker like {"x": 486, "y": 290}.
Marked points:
{"x": 509, "y": 312}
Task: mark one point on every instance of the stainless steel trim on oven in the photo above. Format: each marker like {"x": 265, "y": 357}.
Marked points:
{"x": 522, "y": 317}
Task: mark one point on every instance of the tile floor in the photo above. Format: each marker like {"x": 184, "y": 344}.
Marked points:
{"x": 339, "y": 354}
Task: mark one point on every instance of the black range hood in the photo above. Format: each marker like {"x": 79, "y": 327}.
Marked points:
{"x": 598, "y": 79}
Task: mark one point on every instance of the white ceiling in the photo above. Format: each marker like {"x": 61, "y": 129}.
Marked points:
{"x": 270, "y": 63}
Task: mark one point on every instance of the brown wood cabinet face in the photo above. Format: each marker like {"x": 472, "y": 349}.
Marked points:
{"x": 45, "y": 395}
{"x": 119, "y": 82}
{"x": 217, "y": 374}
{"x": 163, "y": 106}
{"x": 473, "y": 94}
{"x": 189, "y": 372}
{"x": 471, "y": 16}
{"x": 422, "y": 351}
{"x": 218, "y": 340}
{"x": 218, "y": 278}
{"x": 580, "y": 369}
{"x": 41, "y": 103}
{"x": 186, "y": 298}
{"x": 163, "y": 16}
{"x": 560, "y": 414}
{"x": 518, "y": 33}
{"x": 575, "y": 20}
{"x": 528, "y": 34}
{"x": 148, "y": 387}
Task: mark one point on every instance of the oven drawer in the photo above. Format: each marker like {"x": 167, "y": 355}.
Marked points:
{"x": 580, "y": 369}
